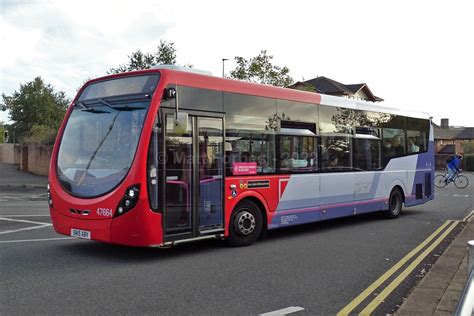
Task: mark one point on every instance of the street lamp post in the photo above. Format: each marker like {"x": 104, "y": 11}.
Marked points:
{"x": 223, "y": 63}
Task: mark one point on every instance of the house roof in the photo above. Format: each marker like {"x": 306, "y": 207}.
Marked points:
{"x": 445, "y": 133}
{"x": 453, "y": 132}
{"x": 355, "y": 87}
{"x": 466, "y": 133}
{"x": 332, "y": 87}
{"x": 448, "y": 149}
{"x": 328, "y": 86}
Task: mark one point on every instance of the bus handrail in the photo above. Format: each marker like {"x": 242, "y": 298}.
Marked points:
{"x": 466, "y": 301}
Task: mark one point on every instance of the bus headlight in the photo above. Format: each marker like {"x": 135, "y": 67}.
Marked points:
{"x": 50, "y": 200}
{"x": 129, "y": 200}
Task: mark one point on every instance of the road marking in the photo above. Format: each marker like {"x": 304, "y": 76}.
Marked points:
{"x": 396, "y": 282}
{"x": 22, "y": 221}
{"x": 362, "y": 296}
{"x": 17, "y": 215}
{"x": 23, "y": 229}
{"x": 284, "y": 311}
{"x": 468, "y": 216}
{"x": 30, "y": 240}
{"x": 461, "y": 195}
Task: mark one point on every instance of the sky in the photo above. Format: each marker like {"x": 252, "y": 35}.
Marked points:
{"x": 417, "y": 55}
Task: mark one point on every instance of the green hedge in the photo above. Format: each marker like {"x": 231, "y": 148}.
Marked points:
{"x": 469, "y": 162}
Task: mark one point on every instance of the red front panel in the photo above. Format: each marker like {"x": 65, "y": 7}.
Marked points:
{"x": 139, "y": 226}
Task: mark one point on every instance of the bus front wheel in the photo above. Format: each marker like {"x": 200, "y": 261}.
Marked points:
{"x": 245, "y": 224}
{"x": 395, "y": 203}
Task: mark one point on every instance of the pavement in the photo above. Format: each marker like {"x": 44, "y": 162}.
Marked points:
{"x": 439, "y": 291}
{"x": 12, "y": 177}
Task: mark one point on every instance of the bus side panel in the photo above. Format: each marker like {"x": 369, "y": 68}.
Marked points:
{"x": 367, "y": 196}
{"x": 422, "y": 178}
{"x": 337, "y": 195}
{"x": 298, "y": 197}
{"x": 396, "y": 173}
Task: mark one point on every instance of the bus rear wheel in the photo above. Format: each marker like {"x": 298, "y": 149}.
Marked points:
{"x": 245, "y": 224}
{"x": 395, "y": 204}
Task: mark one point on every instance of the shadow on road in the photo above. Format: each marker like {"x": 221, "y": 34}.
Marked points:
{"x": 126, "y": 254}
{"x": 334, "y": 224}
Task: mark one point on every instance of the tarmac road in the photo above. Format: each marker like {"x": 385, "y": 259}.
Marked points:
{"x": 317, "y": 268}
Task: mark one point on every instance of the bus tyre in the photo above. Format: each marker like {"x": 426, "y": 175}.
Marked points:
{"x": 245, "y": 224}
{"x": 395, "y": 204}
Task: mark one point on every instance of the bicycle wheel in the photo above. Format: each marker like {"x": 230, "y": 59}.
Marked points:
{"x": 461, "y": 182}
{"x": 439, "y": 181}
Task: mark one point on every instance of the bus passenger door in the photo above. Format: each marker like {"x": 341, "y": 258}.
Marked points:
{"x": 211, "y": 173}
{"x": 178, "y": 175}
{"x": 194, "y": 176}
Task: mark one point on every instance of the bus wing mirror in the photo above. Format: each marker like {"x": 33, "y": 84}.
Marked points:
{"x": 170, "y": 93}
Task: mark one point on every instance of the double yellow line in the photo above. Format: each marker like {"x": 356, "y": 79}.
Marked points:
{"x": 450, "y": 225}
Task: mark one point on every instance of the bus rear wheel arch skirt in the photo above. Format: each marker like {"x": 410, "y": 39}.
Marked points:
{"x": 246, "y": 224}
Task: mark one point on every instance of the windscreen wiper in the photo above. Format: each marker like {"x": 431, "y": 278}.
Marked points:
{"x": 111, "y": 126}
{"x": 81, "y": 105}
{"x": 84, "y": 108}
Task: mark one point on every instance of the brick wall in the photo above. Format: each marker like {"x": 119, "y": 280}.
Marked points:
{"x": 38, "y": 159}
{"x": 31, "y": 158}
{"x": 7, "y": 153}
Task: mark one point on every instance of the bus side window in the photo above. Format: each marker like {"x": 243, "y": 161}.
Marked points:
{"x": 367, "y": 148}
{"x": 417, "y": 135}
{"x": 250, "y": 132}
{"x": 336, "y": 152}
{"x": 393, "y": 143}
{"x": 297, "y": 153}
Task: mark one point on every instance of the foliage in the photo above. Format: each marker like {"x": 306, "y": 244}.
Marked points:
{"x": 305, "y": 87}
{"x": 36, "y": 103}
{"x": 468, "y": 162}
{"x": 2, "y": 132}
{"x": 165, "y": 54}
{"x": 468, "y": 147}
{"x": 41, "y": 134}
{"x": 259, "y": 69}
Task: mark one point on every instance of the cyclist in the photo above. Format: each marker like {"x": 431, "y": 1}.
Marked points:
{"x": 454, "y": 162}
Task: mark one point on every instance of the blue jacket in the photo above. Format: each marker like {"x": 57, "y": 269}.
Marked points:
{"x": 455, "y": 163}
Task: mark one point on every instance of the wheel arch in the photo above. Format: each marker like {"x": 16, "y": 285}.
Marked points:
{"x": 255, "y": 198}
{"x": 399, "y": 187}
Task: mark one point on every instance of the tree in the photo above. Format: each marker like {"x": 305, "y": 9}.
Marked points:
{"x": 260, "y": 69}
{"x": 305, "y": 87}
{"x": 2, "y": 132}
{"x": 468, "y": 147}
{"x": 35, "y": 104}
{"x": 166, "y": 54}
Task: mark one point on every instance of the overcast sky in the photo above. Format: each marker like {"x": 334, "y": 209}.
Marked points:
{"x": 417, "y": 55}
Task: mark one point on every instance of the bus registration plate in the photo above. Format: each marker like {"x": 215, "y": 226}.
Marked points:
{"x": 78, "y": 233}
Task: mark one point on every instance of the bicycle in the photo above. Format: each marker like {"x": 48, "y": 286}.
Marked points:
{"x": 460, "y": 181}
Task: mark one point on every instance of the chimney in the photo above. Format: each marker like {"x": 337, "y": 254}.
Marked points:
{"x": 444, "y": 123}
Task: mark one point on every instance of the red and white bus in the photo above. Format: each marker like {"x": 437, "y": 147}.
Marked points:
{"x": 163, "y": 156}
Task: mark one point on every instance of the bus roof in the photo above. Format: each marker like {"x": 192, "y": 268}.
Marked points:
{"x": 198, "y": 80}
